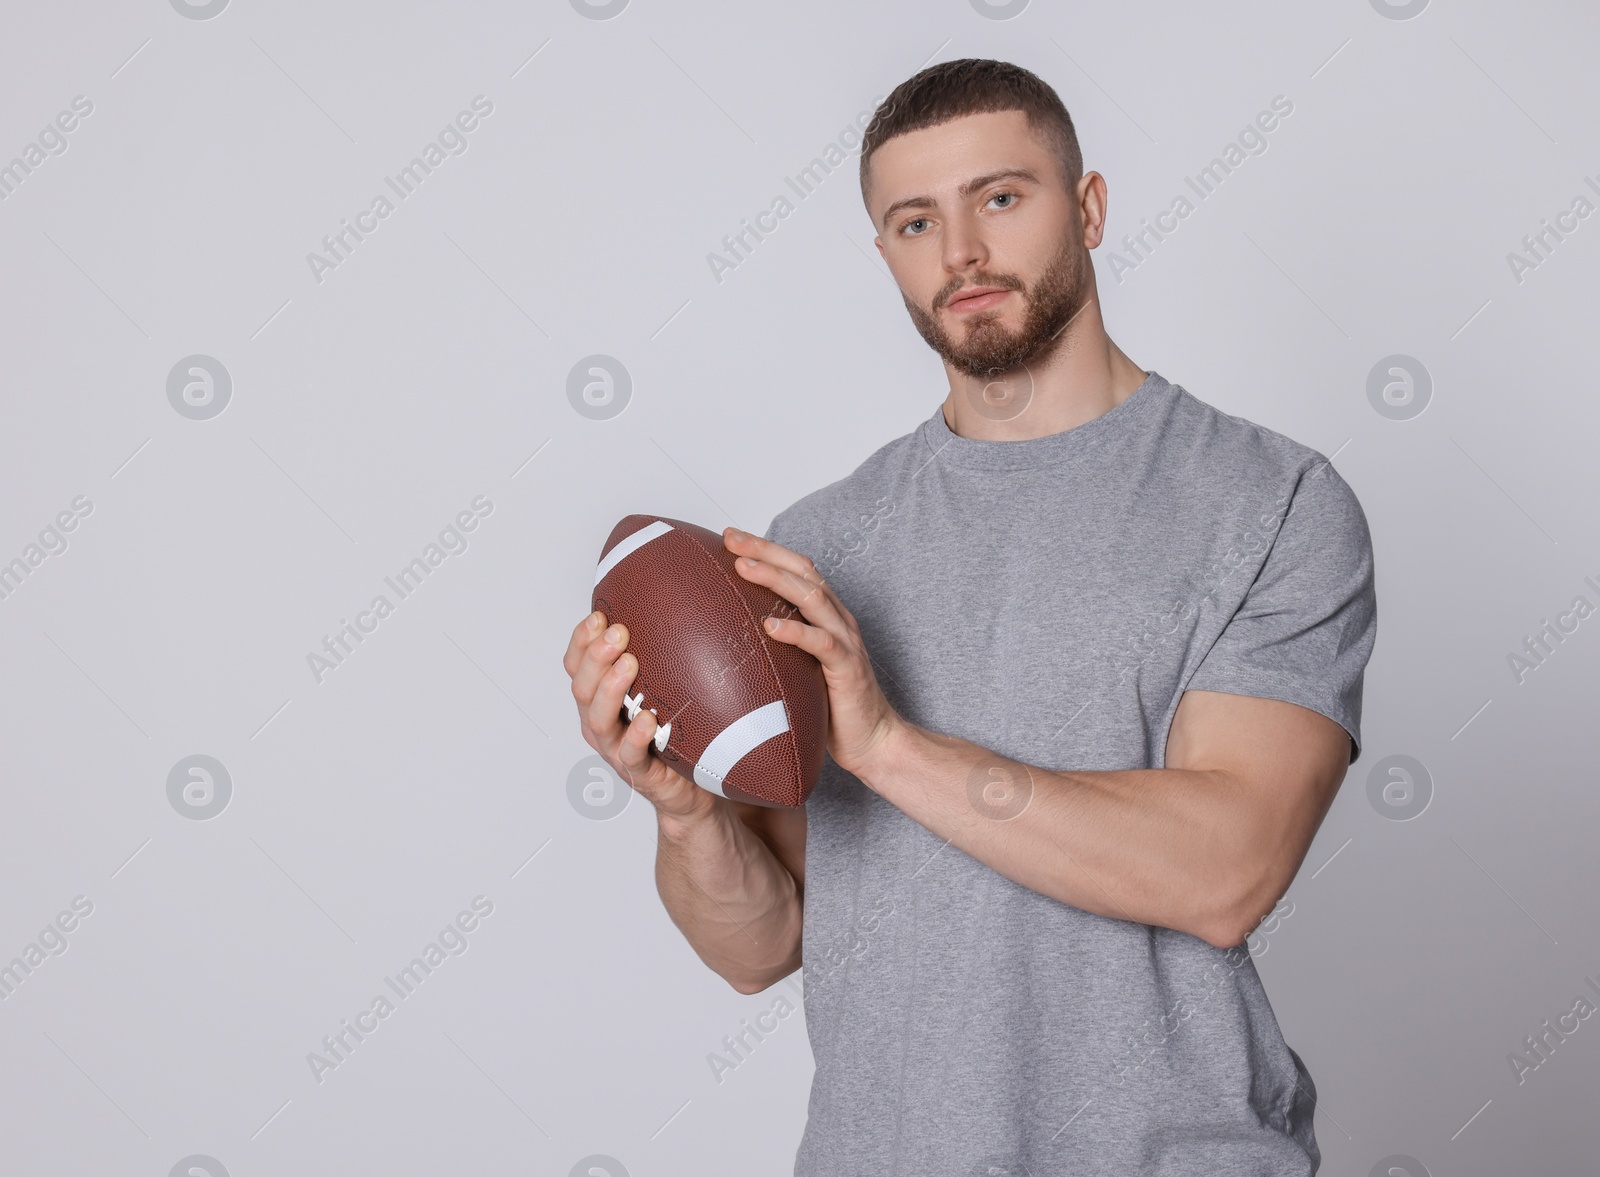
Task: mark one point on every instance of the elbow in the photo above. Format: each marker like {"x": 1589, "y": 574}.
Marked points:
{"x": 1243, "y": 897}
{"x": 753, "y": 979}
{"x": 1241, "y": 910}
{"x": 750, "y": 984}
{"x": 1225, "y": 932}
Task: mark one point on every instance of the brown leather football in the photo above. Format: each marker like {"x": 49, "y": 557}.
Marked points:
{"x": 740, "y": 714}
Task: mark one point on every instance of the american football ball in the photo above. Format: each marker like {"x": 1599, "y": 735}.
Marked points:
{"x": 739, "y": 713}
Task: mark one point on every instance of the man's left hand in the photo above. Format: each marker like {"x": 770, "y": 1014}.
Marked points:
{"x": 861, "y": 720}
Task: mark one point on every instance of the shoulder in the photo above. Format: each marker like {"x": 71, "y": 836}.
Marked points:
{"x": 830, "y": 515}
{"x": 1236, "y": 448}
{"x": 1240, "y": 459}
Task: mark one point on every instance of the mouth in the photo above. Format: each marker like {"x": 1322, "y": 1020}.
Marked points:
{"x": 977, "y": 298}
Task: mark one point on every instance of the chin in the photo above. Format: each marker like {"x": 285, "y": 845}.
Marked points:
{"x": 980, "y": 369}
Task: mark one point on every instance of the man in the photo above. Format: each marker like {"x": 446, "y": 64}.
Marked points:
{"x": 1094, "y": 654}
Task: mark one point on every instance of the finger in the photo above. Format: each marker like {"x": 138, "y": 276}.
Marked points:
{"x": 765, "y": 551}
{"x": 633, "y": 748}
{"x": 597, "y": 659}
{"x": 808, "y": 584}
{"x": 825, "y": 647}
{"x": 648, "y": 774}
{"x": 582, "y": 634}
{"x": 604, "y": 712}
{"x": 807, "y": 592}
{"x": 742, "y": 543}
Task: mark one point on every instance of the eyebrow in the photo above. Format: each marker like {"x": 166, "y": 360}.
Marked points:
{"x": 966, "y": 189}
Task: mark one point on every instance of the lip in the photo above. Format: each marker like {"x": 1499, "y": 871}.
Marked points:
{"x": 977, "y": 298}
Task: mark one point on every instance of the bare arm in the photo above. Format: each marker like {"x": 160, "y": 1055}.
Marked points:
{"x": 1205, "y": 845}
{"x": 730, "y": 875}
{"x": 725, "y": 884}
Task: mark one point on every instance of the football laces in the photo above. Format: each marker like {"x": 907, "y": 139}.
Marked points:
{"x": 633, "y": 704}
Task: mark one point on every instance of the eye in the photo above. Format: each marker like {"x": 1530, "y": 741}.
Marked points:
{"x": 1010, "y": 197}
{"x": 906, "y": 229}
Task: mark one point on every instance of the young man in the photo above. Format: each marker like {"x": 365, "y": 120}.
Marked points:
{"x": 1094, "y": 654}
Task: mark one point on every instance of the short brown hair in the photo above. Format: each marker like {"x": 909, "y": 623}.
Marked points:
{"x": 974, "y": 85}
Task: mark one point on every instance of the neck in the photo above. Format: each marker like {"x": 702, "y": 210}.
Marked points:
{"x": 1083, "y": 375}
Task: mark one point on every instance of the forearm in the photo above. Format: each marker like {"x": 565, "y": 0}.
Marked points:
{"x": 1171, "y": 847}
{"x": 736, "y": 904}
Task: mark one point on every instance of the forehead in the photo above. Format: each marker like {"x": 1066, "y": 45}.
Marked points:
{"x": 935, "y": 160}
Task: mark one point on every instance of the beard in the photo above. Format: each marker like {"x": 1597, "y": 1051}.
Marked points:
{"x": 988, "y": 348}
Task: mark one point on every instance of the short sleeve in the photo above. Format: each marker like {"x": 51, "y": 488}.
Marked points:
{"x": 778, "y": 532}
{"x": 1306, "y": 626}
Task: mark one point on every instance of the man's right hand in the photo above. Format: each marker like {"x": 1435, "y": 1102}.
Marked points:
{"x": 729, "y": 874}
{"x": 602, "y": 672}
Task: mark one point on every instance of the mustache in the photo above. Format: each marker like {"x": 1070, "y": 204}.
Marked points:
{"x": 956, "y": 285}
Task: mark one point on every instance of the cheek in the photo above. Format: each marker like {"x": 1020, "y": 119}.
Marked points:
{"x": 918, "y": 275}
{"x": 919, "y": 282}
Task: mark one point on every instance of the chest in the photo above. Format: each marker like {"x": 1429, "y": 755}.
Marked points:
{"x": 1055, "y": 626}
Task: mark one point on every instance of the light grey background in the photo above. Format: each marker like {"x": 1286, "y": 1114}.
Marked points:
{"x": 432, "y": 367}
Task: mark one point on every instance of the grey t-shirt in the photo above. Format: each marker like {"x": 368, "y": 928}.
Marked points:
{"x": 1051, "y": 599}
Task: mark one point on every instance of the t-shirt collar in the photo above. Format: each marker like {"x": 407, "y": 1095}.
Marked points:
{"x": 972, "y": 453}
